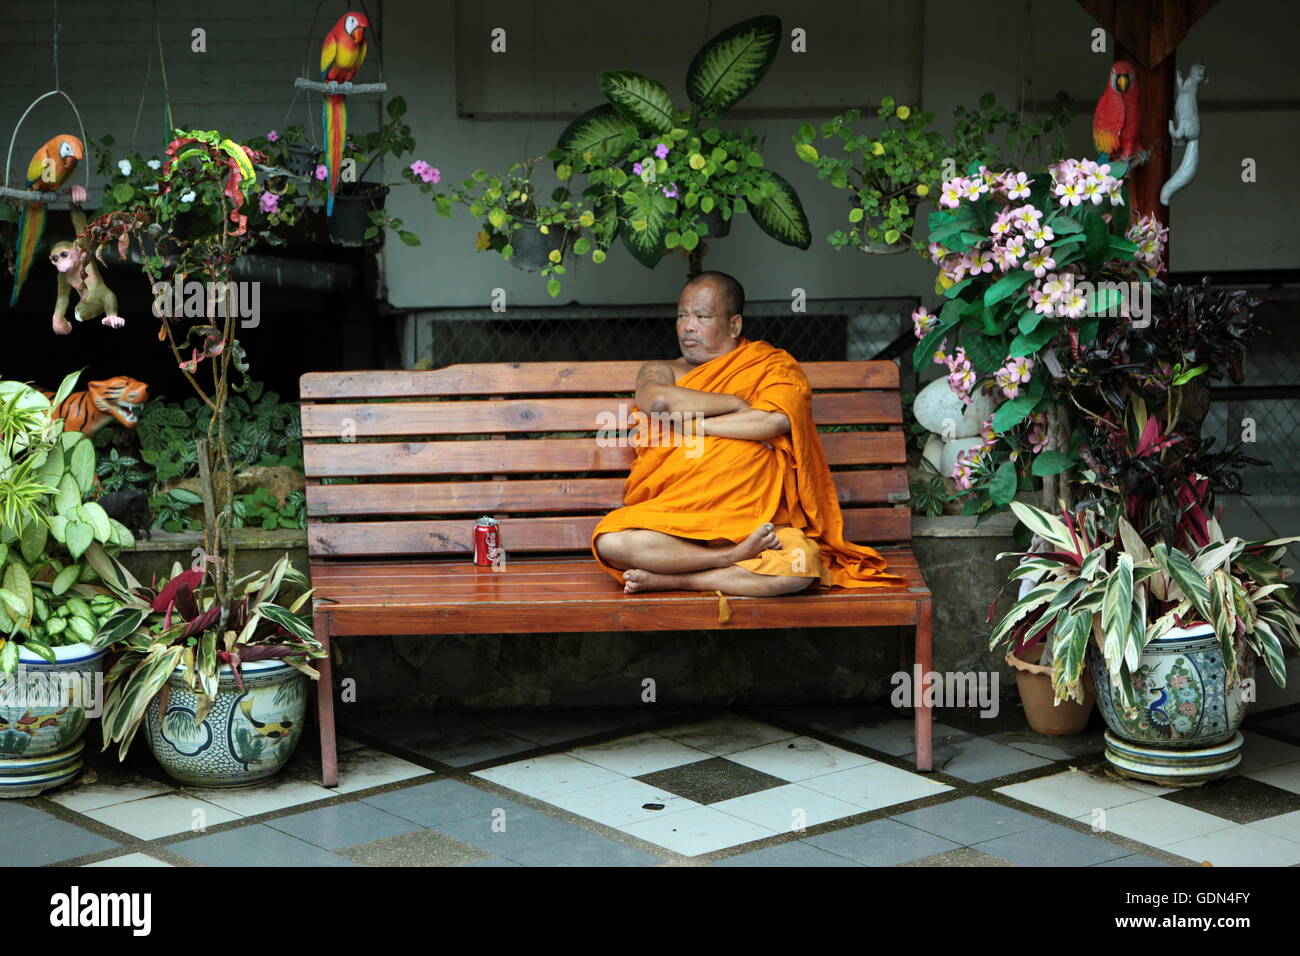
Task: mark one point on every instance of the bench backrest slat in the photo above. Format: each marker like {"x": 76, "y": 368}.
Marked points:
{"x": 420, "y": 455}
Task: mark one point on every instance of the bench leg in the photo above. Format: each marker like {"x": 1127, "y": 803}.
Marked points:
{"x": 924, "y": 717}
{"x": 329, "y": 760}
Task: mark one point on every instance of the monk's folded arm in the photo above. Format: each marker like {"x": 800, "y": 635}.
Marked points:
{"x": 753, "y": 423}
{"x": 655, "y": 392}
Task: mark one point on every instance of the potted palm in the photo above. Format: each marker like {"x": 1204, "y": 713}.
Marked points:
{"x": 51, "y": 607}
{"x": 221, "y": 696}
{"x": 1169, "y": 634}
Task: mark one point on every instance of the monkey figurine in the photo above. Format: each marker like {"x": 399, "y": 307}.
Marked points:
{"x": 77, "y": 270}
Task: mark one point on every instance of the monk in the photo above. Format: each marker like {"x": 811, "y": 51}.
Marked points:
{"x": 736, "y": 496}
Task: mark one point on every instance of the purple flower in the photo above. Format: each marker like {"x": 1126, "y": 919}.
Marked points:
{"x": 273, "y": 137}
{"x": 636, "y": 168}
{"x": 321, "y": 172}
{"x": 419, "y": 168}
{"x": 662, "y": 150}
{"x": 670, "y": 190}
{"x": 269, "y": 202}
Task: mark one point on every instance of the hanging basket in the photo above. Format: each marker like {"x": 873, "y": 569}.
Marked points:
{"x": 301, "y": 159}
{"x": 31, "y": 195}
{"x": 351, "y": 219}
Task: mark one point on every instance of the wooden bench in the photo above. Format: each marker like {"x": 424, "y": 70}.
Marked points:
{"x": 423, "y": 454}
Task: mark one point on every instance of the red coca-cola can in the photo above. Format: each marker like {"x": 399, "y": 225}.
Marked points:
{"x": 487, "y": 541}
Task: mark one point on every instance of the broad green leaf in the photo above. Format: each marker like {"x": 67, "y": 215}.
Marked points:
{"x": 1117, "y": 612}
{"x": 66, "y": 578}
{"x": 1002, "y": 488}
{"x": 639, "y": 98}
{"x": 99, "y": 520}
{"x": 1051, "y": 462}
{"x": 1070, "y": 646}
{"x": 120, "y": 624}
{"x": 729, "y": 66}
{"x": 1007, "y": 286}
{"x": 1179, "y": 567}
{"x": 80, "y": 535}
{"x": 82, "y": 466}
{"x": 646, "y": 245}
{"x": 781, "y": 215}
{"x": 32, "y": 542}
{"x": 111, "y": 571}
{"x": 19, "y": 584}
{"x": 1014, "y": 412}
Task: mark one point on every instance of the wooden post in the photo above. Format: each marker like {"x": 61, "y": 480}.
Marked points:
{"x": 1156, "y": 101}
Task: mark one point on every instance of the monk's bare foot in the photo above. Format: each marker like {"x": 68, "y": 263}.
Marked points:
{"x": 763, "y": 539}
{"x": 635, "y": 580}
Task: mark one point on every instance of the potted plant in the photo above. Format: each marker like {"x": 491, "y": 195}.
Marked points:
{"x": 51, "y": 609}
{"x": 891, "y": 172}
{"x": 1170, "y": 634}
{"x": 221, "y": 695}
{"x": 663, "y": 178}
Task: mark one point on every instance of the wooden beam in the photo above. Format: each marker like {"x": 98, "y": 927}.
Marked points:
{"x": 1149, "y": 30}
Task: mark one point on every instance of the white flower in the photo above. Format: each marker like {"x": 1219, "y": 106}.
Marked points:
{"x": 125, "y": 166}
{"x": 154, "y": 164}
{"x": 187, "y": 196}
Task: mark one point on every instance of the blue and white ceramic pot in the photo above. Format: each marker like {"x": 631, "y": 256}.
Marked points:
{"x": 1185, "y": 731}
{"x": 247, "y": 736}
{"x": 43, "y": 712}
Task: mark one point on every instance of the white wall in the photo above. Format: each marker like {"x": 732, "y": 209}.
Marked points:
{"x": 857, "y": 52}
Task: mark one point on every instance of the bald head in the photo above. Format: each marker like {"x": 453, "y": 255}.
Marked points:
{"x": 709, "y": 320}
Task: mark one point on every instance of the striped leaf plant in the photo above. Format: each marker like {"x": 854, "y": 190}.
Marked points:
{"x": 1100, "y": 581}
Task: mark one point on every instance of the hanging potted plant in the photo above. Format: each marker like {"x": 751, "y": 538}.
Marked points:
{"x": 890, "y": 173}
{"x": 51, "y": 607}
{"x": 664, "y": 178}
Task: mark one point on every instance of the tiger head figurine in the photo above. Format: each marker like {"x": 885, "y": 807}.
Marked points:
{"x": 119, "y": 398}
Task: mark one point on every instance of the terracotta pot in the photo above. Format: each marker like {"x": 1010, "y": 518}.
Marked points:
{"x": 1045, "y": 716}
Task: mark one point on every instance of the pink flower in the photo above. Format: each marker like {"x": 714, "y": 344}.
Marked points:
{"x": 980, "y": 261}
{"x": 1026, "y": 217}
{"x": 1012, "y": 375}
{"x": 1040, "y": 261}
{"x": 419, "y": 167}
{"x": 1041, "y": 234}
{"x": 940, "y": 356}
{"x": 321, "y": 172}
{"x": 950, "y": 193}
{"x": 1178, "y": 680}
{"x": 937, "y": 252}
{"x": 1017, "y": 185}
{"x": 662, "y": 150}
{"x": 273, "y": 137}
{"x": 670, "y": 190}
{"x": 922, "y": 322}
{"x": 1187, "y": 708}
{"x": 961, "y": 376}
{"x": 973, "y": 188}
{"x": 269, "y": 202}
{"x": 1036, "y": 437}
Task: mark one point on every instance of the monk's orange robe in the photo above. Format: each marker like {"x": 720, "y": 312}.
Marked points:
{"x": 734, "y": 485}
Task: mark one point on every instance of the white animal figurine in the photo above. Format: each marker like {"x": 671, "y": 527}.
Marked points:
{"x": 1185, "y": 131}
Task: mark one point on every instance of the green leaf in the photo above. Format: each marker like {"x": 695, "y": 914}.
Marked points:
{"x": 69, "y": 495}
{"x": 1028, "y": 343}
{"x": 781, "y": 215}
{"x": 66, "y": 578}
{"x": 65, "y": 387}
{"x": 19, "y": 584}
{"x": 1048, "y": 527}
{"x": 552, "y": 287}
{"x": 1014, "y": 412}
{"x": 123, "y": 192}
{"x": 1117, "y": 611}
{"x": 82, "y": 465}
{"x": 1007, "y": 286}
{"x": 1051, "y": 462}
{"x": 1097, "y": 241}
{"x": 1002, "y": 488}
{"x": 646, "y": 245}
{"x": 80, "y": 535}
{"x": 729, "y": 66}
{"x": 32, "y": 542}
{"x": 807, "y": 152}
{"x": 639, "y": 98}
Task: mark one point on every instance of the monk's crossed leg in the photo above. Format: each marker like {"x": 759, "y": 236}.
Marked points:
{"x": 661, "y": 553}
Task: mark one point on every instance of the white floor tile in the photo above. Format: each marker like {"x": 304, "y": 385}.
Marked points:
{"x": 131, "y": 859}
{"x": 1287, "y": 776}
{"x": 275, "y": 794}
{"x": 108, "y": 791}
{"x": 1074, "y": 794}
{"x": 155, "y": 817}
{"x": 726, "y": 735}
{"x": 365, "y": 768}
{"x": 1156, "y": 822}
{"x": 620, "y": 803}
{"x": 546, "y": 776}
{"x": 1239, "y": 846}
{"x": 875, "y": 785}
{"x": 698, "y": 830}
{"x": 1260, "y": 752}
{"x": 785, "y": 809}
{"x": 639, "y": 754}
{"x": 799, "y": 758}
{"x": 1286, "y": 826}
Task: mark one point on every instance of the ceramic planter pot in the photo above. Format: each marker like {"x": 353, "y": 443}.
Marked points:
{"x": 1045, "y": 715}
{"x": 1185, "y": 731}
{"x": 351, "y": 219}
{"x": 248, "y": 735}
{"x": 43, "y": 715}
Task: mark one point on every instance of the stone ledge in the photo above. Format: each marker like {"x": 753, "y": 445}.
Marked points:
{"x": 246, "y": 539}
{"x": 962, "y": 526}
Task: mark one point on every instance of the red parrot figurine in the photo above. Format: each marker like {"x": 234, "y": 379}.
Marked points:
{"x": 341, "y": 57}
{"x": 1118, "y": 117}
{"x": 51, "y": 166}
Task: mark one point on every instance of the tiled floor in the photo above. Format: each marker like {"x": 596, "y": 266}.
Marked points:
{"x": 815, "y": 786}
